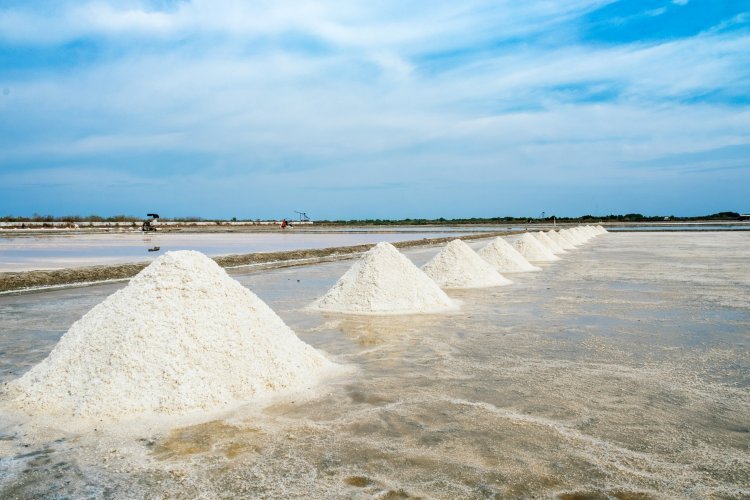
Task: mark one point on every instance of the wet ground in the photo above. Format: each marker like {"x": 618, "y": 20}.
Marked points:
{"x": 622, "y": 371}
{"x": 59, "y": 251}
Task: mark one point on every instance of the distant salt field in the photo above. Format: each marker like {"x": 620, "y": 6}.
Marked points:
{"x": 25, "y": 253}
{"x": 620, "y": 371}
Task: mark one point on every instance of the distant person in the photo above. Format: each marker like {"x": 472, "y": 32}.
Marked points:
{"x": 284, "y": 223}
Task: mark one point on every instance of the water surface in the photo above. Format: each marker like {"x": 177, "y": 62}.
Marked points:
{"x": 621, "y": 371}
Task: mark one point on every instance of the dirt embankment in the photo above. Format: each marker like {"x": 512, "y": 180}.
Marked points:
{"x": 84, "y": 275}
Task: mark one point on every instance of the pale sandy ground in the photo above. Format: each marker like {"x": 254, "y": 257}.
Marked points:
{"x": 621, "y": 371}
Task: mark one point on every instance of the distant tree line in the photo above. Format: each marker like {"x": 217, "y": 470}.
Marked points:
{"x": 725, "y": 216}
{"x": 721, "y": 216}
{"x": 69, "y": 218}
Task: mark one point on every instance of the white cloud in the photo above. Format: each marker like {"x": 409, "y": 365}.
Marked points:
{"x": 366, "y": 106}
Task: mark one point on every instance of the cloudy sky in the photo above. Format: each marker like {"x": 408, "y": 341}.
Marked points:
{"x": 387, "y": 109}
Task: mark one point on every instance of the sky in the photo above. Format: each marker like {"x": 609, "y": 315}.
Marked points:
{"x": 388, "y": 109}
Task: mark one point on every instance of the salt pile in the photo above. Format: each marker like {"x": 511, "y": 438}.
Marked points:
{"x": 576, "y": 235}
{"x": 458, "y": 266}
{"x": 384, "y": 281}
{"x": 602, "y": 229}
{"x": 548, "y": 242}
{"x": 564, "y": 242}
{"x": 181, "y": 336}
{"x": 532, "y": 250}
{"x": 506, "y": 259}
{"x": 581, "y": 233}
{"x": 571, "y": 236}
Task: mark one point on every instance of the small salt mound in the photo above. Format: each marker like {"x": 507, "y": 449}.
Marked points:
{"x": 549, "y": 243}
{"x": 581, "y": 232}
{"x": 577, "y": 235}
{"x": 562, "y": 240}
{"x": 602, "y": 229}
{"x": 506, "y": 259}
{"x": 458, "y": 266}
{"x": 532, "y": 250}
{"x": 571, "y": 236}
{"x": 384, "y": 281}
{"x": 181, "y": 336}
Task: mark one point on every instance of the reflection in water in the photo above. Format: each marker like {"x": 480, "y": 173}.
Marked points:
{"x": 55, "y": 251}
{"x": 621, "y": 371}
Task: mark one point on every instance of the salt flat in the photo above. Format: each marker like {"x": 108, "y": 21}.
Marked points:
{"x": 622, "y": 369}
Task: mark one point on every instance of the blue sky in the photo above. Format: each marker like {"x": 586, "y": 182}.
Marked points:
{"x": 389, "y": 109}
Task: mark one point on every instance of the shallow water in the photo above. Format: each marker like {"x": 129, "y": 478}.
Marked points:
{"x": 25, "y": 253}
{"x": 622, "y": 371}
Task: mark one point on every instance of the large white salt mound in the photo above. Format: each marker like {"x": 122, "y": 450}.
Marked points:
{"x": 181, "y": 336}
{"x": 532, "y": 250}
{"x": 506, "y": 259}
{"x": 384, "y": 281}
{"x": 458, "y": 266}
{"x": 560, "y": 238}
{"x": 548, "y": 242}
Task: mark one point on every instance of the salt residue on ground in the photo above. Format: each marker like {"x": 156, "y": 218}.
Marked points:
{"x": 506, "y": 259}
{"x": 548, "y": 242}
{"x": 458, "y": 266}
{"x": 532, "y": 250}
{"x": 181, "y": 336}
{"x": 384, "y": 281}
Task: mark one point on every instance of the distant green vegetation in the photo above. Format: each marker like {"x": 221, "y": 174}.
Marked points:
{"x": 721, "y": 216}
{"x": 69, "y": 218}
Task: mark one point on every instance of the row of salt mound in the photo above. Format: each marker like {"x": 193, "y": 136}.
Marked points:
{"x": 458, "y": 266}
{"x": 384, "y": 281}
{"x": 181, "y": 336}
{"x": 506, "y": 259}
{"x": 571, "y": 237}
{"x": 561, "y": 239}
{"x": 549, "y": 243}
{"x": 533, "y": 250}
{"x": 583, "y": 234}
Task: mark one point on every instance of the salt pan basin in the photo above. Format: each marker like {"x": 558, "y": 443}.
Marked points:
{"x": 622, "y": 371}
